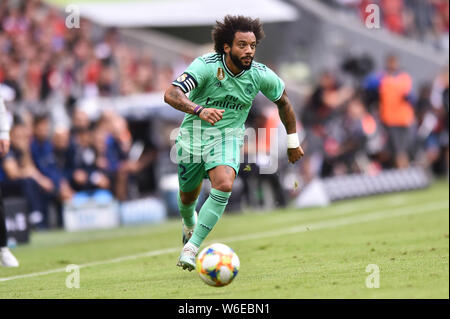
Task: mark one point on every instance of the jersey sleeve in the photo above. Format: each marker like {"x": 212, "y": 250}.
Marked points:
{"x": 271, "y": 85}
{"x": 193, "y": 77}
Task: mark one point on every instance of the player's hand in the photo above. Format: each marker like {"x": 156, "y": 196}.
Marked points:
{"x": 294, "y": 154}
{"x": 211, "y": 115}
{"x": 4, "y": 147}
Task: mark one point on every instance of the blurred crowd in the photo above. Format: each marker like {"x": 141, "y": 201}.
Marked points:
{"x": 40, "y": 56}
{"x": 376, "y": 122}
{"x": 382, "y": 122}
{"x": 425, "y": 20}
{"x": 52, "y": 157}
{"x": 48, "y": 164}
{"x": 356, "y": 120}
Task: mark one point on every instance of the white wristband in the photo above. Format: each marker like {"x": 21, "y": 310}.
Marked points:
{"x": 292, "y": 140}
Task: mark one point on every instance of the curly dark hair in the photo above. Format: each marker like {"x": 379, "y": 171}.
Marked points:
{"x": 224, "y": 31}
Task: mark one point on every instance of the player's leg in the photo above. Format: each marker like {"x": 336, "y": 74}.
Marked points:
{"x": 187, "y": 201}
{"x": 6, "y": 257}
{"x": 222, "y": 178}
{"x": 222, "y": 168}
{"x": 190, "y": 177}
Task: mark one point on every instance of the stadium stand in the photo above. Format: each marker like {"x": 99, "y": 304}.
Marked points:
{"x": 426, "y": 21}
{"x": 88, "y": 114}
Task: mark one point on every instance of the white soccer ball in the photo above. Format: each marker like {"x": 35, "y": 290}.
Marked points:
{"x": 217, "y": 265}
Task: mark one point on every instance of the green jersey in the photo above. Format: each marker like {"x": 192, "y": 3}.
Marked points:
{"x": 211, "y": 84}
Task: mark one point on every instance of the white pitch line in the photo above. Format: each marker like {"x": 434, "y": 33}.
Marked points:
{"x": 333, "y": 223}
{"x": 332, "y": 211}
{"x": 337, "y": 222}
{"x": 96, "y": 263}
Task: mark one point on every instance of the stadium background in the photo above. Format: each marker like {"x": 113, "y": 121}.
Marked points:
{"x": 88, "y": 115}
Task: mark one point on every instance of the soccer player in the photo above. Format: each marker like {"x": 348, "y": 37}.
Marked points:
{"x": 6, "y": 257}
{"x": 221, "y": 87}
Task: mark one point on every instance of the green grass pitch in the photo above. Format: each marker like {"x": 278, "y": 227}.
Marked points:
{"x": 292, "y": 254}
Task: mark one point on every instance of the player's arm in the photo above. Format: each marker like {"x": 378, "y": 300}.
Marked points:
{"x": 176, "y": 98}
{"x": 287, "y": 116}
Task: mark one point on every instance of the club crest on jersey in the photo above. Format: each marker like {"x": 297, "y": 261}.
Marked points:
{"x": 220, "y": 74}
{"x": 182, "y": 77}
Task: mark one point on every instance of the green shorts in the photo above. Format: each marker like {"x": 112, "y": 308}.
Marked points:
{"x": 193, "y": 168}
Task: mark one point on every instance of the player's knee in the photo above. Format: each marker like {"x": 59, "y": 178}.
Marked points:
{"x": 187, "y": 199}
{"x": 224, "y": 186}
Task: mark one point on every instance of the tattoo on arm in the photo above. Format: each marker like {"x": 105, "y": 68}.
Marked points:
{"x": 178, "y": 100}
{"x": 287, "y": 114}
